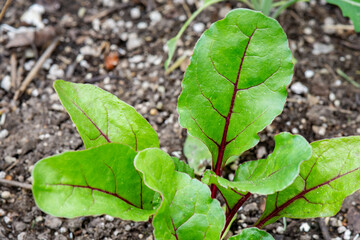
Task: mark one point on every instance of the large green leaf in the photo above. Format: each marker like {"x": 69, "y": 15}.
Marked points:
{"x": 100, "y": 117}
{"x": 252, "y": 234}
{"x": 100, "y": 180}
{"x": 351, "y": 9}
{"x": 267, "y": 176}
{"x": 197, "y": 154}
{"x": 330, "y": 175}
{"x": 236, "y": 83}
{"x": 187, "y": 210}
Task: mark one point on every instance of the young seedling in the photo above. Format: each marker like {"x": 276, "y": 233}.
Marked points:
{"x": 234, "y": 87}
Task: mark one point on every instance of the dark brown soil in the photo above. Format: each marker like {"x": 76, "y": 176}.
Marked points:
{"x": 38, "y": 127}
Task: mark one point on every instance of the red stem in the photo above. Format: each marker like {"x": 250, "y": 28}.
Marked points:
{"x": 233, "y": 211}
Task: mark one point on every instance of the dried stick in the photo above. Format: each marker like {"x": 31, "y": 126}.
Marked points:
{"x": 36, "y": 68}
{"x": 16, "y": 184}
{"x": 324, "y": 229}
{"x": 7, "y": 4}
{"x": 13, "y": 70}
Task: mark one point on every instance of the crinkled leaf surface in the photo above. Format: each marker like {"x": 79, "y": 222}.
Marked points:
{"x": 197, "y": 154}
{"x": 331, "y": 174}
{"x": 100, "y": 180}
{"x": 236, "y": 83}
{"x": 101, "y": 117}
{"x": 187, "y": 210}
{"x": 351, "y": 9}
{"x": 181, "y": 166}
{"x": 252, "y": 234}
{"x": 267, "y": 176}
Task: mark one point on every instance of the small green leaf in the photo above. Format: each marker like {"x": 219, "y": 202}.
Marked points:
{"x": 331, "y": 174}
{"x": 100, "y": 117}
{"x": 181, "y": 166}
{"x": 252, "y": 234}
{"x": 197, "y": 154}
{"x": 351, "y": 9}
{"x": 267, "y": 176}
{"x": 100, "y": 180}
{"x": 187, "y": 210}
{"x": 236, "y": 83}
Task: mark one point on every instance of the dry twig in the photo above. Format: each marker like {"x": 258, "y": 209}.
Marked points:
{"x": 13, "y": 63}
{"x": 324, "y": 229}
{"x": 7, "y": 4}
{"x": 16, "y": 184}
{"x": 36, "y": 68}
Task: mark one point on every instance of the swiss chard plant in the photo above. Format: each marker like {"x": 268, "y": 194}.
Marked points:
{"x": 234, "y": 87}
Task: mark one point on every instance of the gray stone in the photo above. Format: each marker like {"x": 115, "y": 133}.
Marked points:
{"x": 52, "y": 222}
{"x": 133, "y": 42}
{"x": 320, "y": 48}
{"x": 19, "y": 226}
{"x": 6, "y": 83}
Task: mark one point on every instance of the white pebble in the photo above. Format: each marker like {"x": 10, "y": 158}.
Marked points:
{"x": 6, "y": 83}
{"x": 5, "y": 195}
{"x": 142, "y": 25}
{"x": 320, "y": 48}
{"x": 307, "y": 31}
{"x": 4, "y": 133}
{"x": 309, "y": 73}
{"x": 337, "y": 103}
{"x": 332, "y": 97}
{"x": 299, "y": 88}
{"x": 2, "y": 212}
{"x": 2, "y": 175}
{"x": 29, "y": 65}
{"x": 280, "y": 230}
{"x": 155, "y": 17}
{"x": 7, "y": 220}
{"x": 135, "y": 13}
{"x": 127, "y": 228}
{"x": 338, "y": 82}
{"x": 33, "y": 15}
{"x": 199, "y": 27}
{"x": 109, "y": 218}
{"x": 341, "y": 229}
{"x": 295, "y": 131}
{"x": 347, "y": 234}
{"x": 305, "y": 227}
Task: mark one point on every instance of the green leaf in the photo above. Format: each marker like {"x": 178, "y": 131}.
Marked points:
{"x": 197, "y": 154}
{"x": 100, "y": 117}
{"x": 252, "y": 234}
{"x": 267, "y": 176}
{"x": 331, "y": 174}
{"x": 187, "y": 210}
{"x": 351, "y": 9}
{"x": 100, "y": 180}
{"x": 171, "y": 44}
{"x": 236, "y": 83}
{"x": 181, "y": 166}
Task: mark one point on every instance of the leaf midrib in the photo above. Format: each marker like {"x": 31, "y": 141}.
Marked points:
{"x": 222, "y": 147}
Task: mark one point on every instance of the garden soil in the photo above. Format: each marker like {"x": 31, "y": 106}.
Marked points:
{"x": 321, "y": 103}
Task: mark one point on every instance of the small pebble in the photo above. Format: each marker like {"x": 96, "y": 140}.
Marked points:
{"x": 7, "y": 219}
{"x": 127, "y": 228}
{"x": 299, "y": 88}
{"x": 347, "y": 234}
{"x": 250, "y": 207}
{"x": 261, "y": 152}
{"x": 6, "y": 83}
{"x": 199, "y": 27}
{"x": 5, "y": 195}
{"x": 29, "y": 65}
{"x": 21, "y": 236}
{"x": 2, "y": 212}
{"x": 332, "y": 97}
{"x": 280, "y": 230}
{"x": 135, "y": 13}
{"x": 142, "y": 25}
{"x": 109, "y": 218}
{"x": 39, "y": 219}
{"x": 9, "y": 159}
{"x": 307, "y": 31}
{"x": 4, "y": 133}
{"x": 341, "y": 229}
{"x": 133, "y": 42}
{"x": 153, "y": 112}
{"x": 155, "y": 17}
{"x": 52, "y": 222}
{"x": 320, "y": 48}
{"x": 309, "y": 73}
{"x": 305, "y": 227}
{"x": 2, "y": 175}
{"x": 63, "y": 230}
